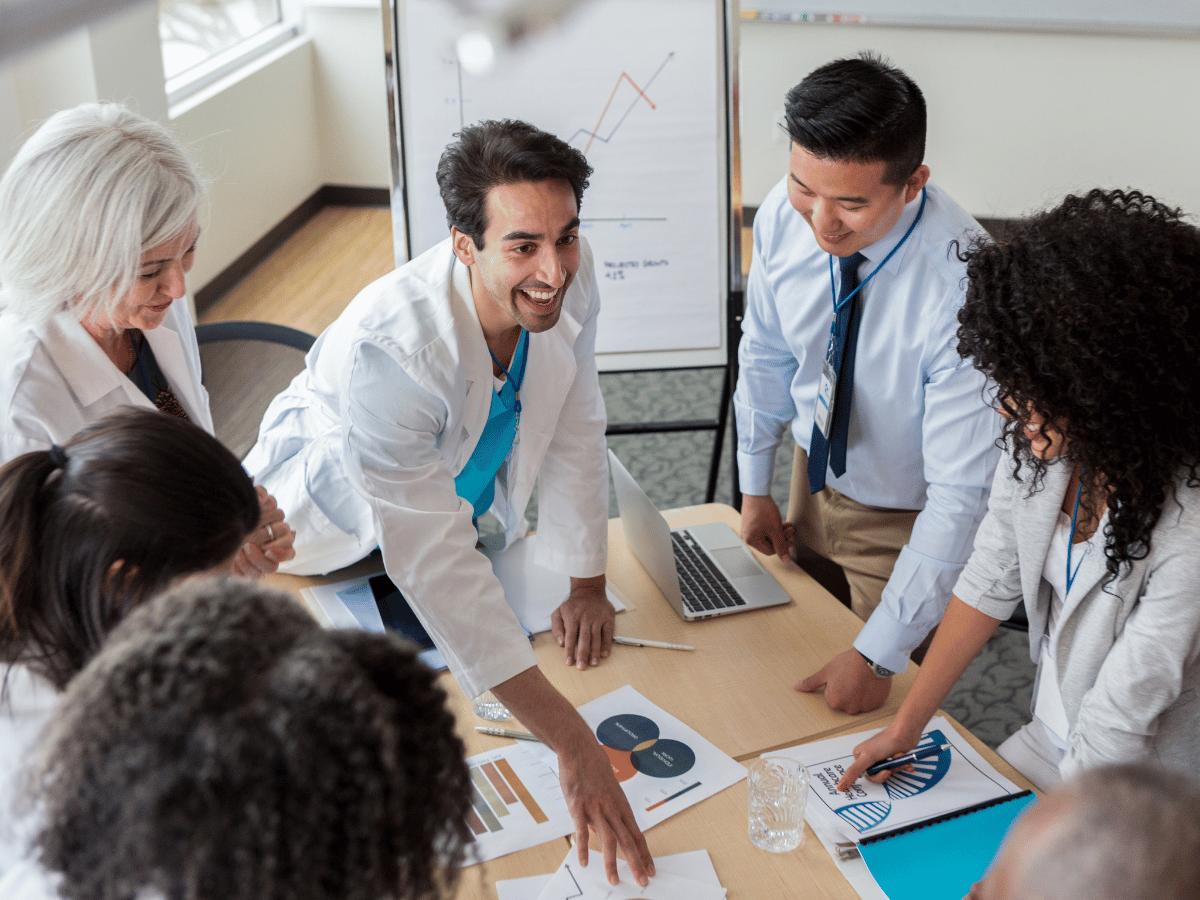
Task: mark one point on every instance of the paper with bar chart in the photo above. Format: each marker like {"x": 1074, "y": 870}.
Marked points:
{"x": 637, "y": 86}
{"x": 663, "y": 765}
{"x": 516, "y": 803}
{"x": 947, "y": 781}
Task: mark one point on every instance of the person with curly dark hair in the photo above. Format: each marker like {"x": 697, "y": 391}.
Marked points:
{"x": 224, "y": 746}
{"x": 88, "y": 531}
{"x": 1087, "y": 319}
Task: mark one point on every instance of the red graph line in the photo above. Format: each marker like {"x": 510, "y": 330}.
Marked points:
{"x": 596, "y": 130}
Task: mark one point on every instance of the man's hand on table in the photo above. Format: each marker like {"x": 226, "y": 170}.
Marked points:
{"x": 764, "y": 529}
{"x": 850, "y": 685}
{"x": 593, "y": 796}
{"x": 583, "y": 624}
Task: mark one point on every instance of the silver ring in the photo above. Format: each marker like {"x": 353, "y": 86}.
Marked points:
{"x": 270, "y": 533}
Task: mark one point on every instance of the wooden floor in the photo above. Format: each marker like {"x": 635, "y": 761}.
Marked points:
{"x": 308, "y": 281}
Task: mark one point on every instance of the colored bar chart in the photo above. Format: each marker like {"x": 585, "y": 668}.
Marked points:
{"x": 516, "y": 802}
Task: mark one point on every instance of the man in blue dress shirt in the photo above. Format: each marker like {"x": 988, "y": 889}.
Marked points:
{"x": 849, "y": 337}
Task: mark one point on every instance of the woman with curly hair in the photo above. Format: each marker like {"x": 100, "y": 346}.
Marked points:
{"x": 88, "y": 531}
{"x": 224, "y": 746}
{"x": 1087, "y": 319}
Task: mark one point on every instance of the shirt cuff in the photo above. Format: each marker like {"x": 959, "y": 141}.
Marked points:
{"x": 754, "y": 472}
{"x": 887, "y": 641}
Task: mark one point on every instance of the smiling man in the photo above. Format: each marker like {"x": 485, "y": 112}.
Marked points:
{"x": 848, "y": 339}
{"x": 444, "y": 391}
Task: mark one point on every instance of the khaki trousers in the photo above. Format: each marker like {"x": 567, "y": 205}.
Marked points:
{"x": 864, "y": 540}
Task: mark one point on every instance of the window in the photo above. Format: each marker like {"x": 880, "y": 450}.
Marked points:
{"x": 203, "y": 40}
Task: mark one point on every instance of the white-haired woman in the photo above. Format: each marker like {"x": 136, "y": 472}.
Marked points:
{"x": 98, "y": 227}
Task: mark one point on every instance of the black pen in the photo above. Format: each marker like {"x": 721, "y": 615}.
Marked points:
{"x": 907, "y": 758}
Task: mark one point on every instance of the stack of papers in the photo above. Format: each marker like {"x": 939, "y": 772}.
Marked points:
{"x": 681, "y": 876}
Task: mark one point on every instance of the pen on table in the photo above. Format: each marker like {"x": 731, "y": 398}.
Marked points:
{"x": 508, "y": 733}
{"x": 907, "y": 758}
{"x": 644, "y": 642}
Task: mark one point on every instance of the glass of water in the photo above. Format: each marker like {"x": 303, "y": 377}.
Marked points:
{"x": 488, "y": 706}
{"x": 778, "y": 790}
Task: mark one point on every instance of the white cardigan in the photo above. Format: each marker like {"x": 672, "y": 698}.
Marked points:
{"x": 1128, "y": 651}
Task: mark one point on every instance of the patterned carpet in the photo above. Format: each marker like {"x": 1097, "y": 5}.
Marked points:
{"x": 991, "y": 699}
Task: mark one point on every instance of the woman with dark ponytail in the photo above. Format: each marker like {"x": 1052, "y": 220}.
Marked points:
{"x": 89, "y": 530}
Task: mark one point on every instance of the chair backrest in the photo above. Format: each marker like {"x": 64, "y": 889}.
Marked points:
{"x": 245, "y": 365}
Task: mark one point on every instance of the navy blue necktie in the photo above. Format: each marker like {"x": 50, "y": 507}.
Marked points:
{"x": 832, "y": 453}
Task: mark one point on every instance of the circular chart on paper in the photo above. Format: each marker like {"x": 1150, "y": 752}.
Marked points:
{"x": 633, "y": 745}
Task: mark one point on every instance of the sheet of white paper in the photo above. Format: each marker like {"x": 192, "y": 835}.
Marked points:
{"x": 533, "y": 593}
{"x": 663, "y": 765}
{"x": 522, "y": 888}
{"x": 953, "y": 779}
{"x": 517, "y": 802}
{"x": 574, "y": 882}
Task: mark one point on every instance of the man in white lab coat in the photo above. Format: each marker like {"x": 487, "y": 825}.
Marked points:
{"x": 443, "y": 391}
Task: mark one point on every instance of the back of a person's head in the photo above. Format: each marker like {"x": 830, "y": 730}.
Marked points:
{"x": 223, "y": 746}
{"x": 860, "y": 110}
{"x": 1121, "y": 832}
{"x": 90, "y": 191}
{"x": 91, "y": 529}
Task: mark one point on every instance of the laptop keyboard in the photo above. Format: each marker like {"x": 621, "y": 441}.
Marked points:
{"x": 703, "y": 586}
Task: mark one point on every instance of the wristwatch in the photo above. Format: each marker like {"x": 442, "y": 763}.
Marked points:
{"x": 880, "y": 671}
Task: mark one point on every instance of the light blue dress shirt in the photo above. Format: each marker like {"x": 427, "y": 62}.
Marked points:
{"x": 922, "y": 433}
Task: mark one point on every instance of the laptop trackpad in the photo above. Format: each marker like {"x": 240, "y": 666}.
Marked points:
{"x": 737, "y": 562}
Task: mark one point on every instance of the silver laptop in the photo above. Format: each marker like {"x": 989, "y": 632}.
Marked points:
{"x": 703, "y": 570}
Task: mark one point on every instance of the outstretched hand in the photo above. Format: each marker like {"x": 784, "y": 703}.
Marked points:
{"x": 850, "y": 685}
{"x": 583, "y": 624}
{"x": 888, "y": 744}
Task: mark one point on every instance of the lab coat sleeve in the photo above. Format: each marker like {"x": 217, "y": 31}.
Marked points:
{"x": 390, "y": 431}
{"x": 762, "y": 403}
{"x": 573, "y": 479}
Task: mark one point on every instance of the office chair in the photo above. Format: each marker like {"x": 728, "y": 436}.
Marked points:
{"x": 244, "y": 366}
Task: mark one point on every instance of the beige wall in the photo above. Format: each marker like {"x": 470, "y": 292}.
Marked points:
{"x": 1016, "y": 119}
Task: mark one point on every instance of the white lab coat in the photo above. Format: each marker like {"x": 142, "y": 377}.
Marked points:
{"x": 26, "y": 708}
{"x": 55, "y": 379}
{"x": 363, "y": 447}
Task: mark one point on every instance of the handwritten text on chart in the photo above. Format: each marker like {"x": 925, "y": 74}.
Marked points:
{"x": 615, "y": 271}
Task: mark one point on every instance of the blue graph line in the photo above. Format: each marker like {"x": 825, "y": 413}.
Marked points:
{"x": 604, "y": 140}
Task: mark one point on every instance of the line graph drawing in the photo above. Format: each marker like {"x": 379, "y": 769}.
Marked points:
{"x": 594, "y": 134}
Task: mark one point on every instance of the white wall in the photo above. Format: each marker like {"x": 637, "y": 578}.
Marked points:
{"x": 1016, "y": 119}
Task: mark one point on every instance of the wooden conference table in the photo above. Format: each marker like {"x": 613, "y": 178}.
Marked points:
{"x": 735, "y": 689}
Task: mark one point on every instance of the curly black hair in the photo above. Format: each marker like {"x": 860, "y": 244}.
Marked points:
{"x": 1089, "y": 315}
{"x": 224, "y": 746}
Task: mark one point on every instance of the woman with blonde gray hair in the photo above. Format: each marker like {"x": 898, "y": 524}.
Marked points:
{"x": 98, "y": 227}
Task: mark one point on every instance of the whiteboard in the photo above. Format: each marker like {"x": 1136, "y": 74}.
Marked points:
{"x": 1175, "y": 18}
{"x": 640, "y": 86}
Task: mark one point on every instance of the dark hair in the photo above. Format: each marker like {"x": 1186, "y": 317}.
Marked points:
{"x": 1089, "y": 315}
{"x": 496, "y": 152}
{"x": 91, "y": 529}
{"x": 223, "y": 746}
{"x": 860, "y": 110}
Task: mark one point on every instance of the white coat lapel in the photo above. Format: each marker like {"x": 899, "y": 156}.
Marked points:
{"x": 476, "y": 360}
{"x": 1034, "y": 525}
{"x": 86, "y": 368}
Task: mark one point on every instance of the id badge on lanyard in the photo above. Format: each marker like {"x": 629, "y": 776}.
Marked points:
{"x": 825, "y": 393}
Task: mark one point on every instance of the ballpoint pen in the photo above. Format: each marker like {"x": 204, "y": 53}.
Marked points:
{"x": 645, "y": 642}
{"x": 907, "y": 758}
{"x": 506, "y": 732}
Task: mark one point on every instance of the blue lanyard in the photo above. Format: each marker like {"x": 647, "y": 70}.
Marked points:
{"x": 1074, "y": 518}
{"x": 837, "y": 307}
{"x": 515, "y": 382}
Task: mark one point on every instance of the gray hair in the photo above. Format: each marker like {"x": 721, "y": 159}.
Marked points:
{"x": 1118, "y": 832}
{"x": 93, "y": 189}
